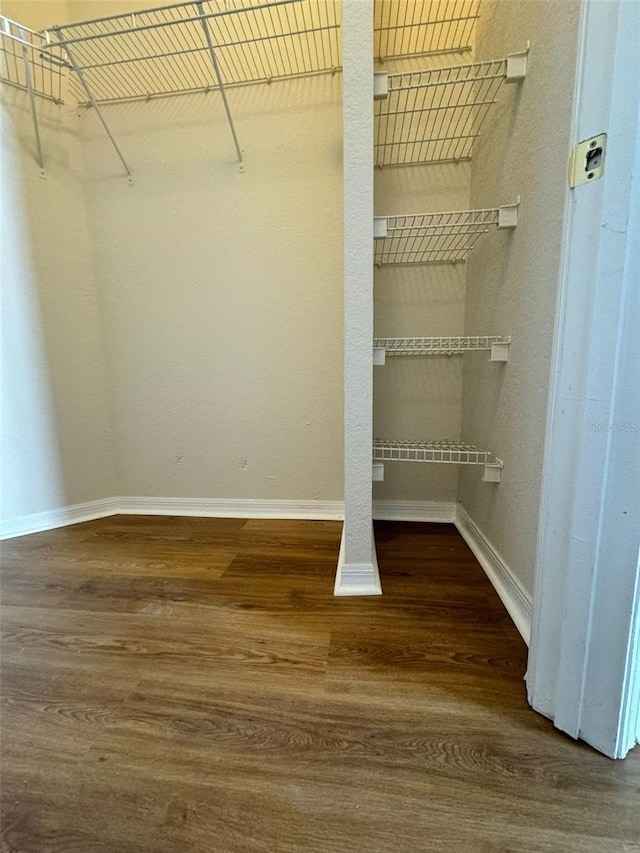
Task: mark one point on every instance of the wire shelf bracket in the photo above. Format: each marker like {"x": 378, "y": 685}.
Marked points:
{"x": 435, "y": 116}
{"x": 497, "y": 346}
{"x": 436, "y": 238}
{"x": 223, "y": 94}
{"x": 71, "y": 63}
{"x": 22, "y": 66}
{"x": 447, "y": 452}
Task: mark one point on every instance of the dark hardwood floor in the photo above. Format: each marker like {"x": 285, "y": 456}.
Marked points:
{"x": 192, "y": 685}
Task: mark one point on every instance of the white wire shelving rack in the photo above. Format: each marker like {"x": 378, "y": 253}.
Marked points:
{"x": 23, "y": 67}
{"x": 423, "y": 238}
{"x": 404, "y": 30}
{"x": 197, "y": 46}
{"x": 435, "y": 116}
{"x": 167, "y": 50}
{"x": 448, "y": 452}
{"x": 496, "y": 345}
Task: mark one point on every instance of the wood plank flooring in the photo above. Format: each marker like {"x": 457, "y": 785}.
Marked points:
{"x": 174, "y": 685}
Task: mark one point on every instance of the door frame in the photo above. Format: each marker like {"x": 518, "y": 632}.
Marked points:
{"x": 584, "y": 664}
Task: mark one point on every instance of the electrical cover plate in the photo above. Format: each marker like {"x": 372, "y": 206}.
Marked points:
{"x": 587, "y": 160}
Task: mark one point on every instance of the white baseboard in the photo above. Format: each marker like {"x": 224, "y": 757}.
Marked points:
{"x": 357, "y": 578}
{"x": 233, "y": 508}
{"x": 513, "y": 595}
{"x": 196, "y": 507}
{"x": 39, "y": 521}
{"x": 433, "y": 511}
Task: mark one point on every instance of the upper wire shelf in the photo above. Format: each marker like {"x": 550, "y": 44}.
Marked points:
{"x": 403, "y": 30}
{"x": 497, "y": 345}
{"x": 435, "y": 115}
{"x": 22, "y": 64}
{"x": 166, "y": 50}
{"x": 450, "y": 452}
{"x": 423, "y": 238}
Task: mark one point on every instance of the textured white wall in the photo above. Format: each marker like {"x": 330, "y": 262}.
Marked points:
{"x": 222, "y": 292}
{"x": 513, "y": 277}
{"x": 56, "y": 427}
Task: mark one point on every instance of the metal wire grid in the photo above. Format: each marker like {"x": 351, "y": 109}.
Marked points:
{"x": 438, "y": 345}
{"x": 22, "y": 64}
{"x": 423, "y": 238}
{"x": 435, "y": 116}
{"x": 403, "y": 29}
{"x": 452, "y": 452}
{"x": 164, "y": 51}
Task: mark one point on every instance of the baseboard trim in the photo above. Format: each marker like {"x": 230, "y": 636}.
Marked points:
{"x": 513, "y": 595}
{"x": 233, "y": 508}
{"x": 357, "y": 578}
{"x": 432, "y": 511}
{"x": 49, "y": 520}
{"x": 195, "y": 507}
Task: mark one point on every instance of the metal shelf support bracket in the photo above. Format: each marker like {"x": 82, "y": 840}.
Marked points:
{"x": 492, "y": 472}
{"x": 380, "y": 85}
{"x": 32, "y": 101}
{"x": 508, "y": 215}
{"x": 92, "y": 101}
{"x": 379, "y": 227}
{"x": 517, "y": 65}
{"x": 216, "y": 68}
{"x": 499, "y": 352}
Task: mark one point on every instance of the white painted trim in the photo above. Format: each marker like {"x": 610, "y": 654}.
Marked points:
{"x": 50, "y": 519}
{"x": 581, "y": 671}
{"x": 431, "y": 511}
{"x": 357, "y": 578}
{"x": 232, "y": 508}
{"x": 513, "y": 595}
{"x": 194, "y": 507}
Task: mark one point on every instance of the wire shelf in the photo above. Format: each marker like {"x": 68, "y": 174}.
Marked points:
{"x": 424, "y": 238}
{"x": 165, "y": 51}
{"x": 450, "y": 452}
{"x": 439, "y": 345}
{"x": 22, "y": 64}
{"x": 403, "y": 30}
{"x": 435, "y": 116}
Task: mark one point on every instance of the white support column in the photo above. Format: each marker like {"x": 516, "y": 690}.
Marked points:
{"x": 357, "y": 566}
